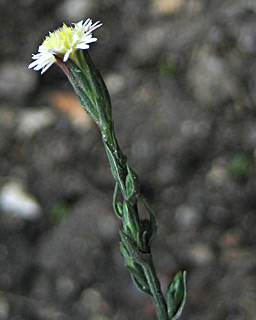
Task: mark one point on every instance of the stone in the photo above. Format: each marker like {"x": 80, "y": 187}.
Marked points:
{"x": 187, "y": 217}
{"x": 75, "y": 10}
{"x": 16, "y": 81}
{"x": 211, "y": 80}
{"x": 217, "y": 175}
{"x": 17, "y": 202}
{"x": 246, "y": 39}
{"x": 32, "y": 120}
{"x": 91, "y": 300}
{"x": 115, "y": 83}
{"x": 65, "y": 287}
{"x": 4, "y": 309}
{"x": 147, "y": 44}
{"x": 49, "y": 313}
{"x": 200, "y": 254}
{"x": 163, "y": 7}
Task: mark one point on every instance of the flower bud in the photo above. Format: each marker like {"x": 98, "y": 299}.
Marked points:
{"x": 176, "y": 295}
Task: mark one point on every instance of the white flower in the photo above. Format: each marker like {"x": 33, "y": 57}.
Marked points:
{"x": 63, "y": 43}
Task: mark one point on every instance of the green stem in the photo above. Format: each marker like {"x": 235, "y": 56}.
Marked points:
{"x": 116, "y": 158}
{"x": 117, "y": 162}
{"x": 156, "y": 291}
{"x": 137, "y": 233}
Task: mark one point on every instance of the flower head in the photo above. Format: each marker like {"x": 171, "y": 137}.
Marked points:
{"x": 63, "y": 43}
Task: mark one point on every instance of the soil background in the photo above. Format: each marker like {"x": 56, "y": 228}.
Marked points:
{"x": 182, "y": 78}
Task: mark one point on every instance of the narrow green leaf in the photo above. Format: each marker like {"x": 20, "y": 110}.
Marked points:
{"x": 118, "y": 207}
{"x": 141, "y": 285}
{"x": 152, "y": 220}
{"x": 127, "y": 259}
{"x": 130, "y": 246}
{"x": 116, "y": 170}
{"x": 80, "y": 79}
{"x": 82, "y": 88}
{"x": 132, "y": 185}
{"x": 86, "y": 104}
{"x": 98, "y": 87}
{"x": 138, "y": 277}
{"x": 129, "y": 220}
{"x": 176, "y": 295}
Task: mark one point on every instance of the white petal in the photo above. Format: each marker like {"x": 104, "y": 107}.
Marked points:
{"x": 33, "y": 64}
{"x": 47, "y": 67}
{"x": 82, "y": 46}
{"x": 87, "y": 22}
{"x": 95, "y": 26}
{"x": 79, "y": 24}
{"x": 91, "y": 40}
{"x": 66, "y": 55}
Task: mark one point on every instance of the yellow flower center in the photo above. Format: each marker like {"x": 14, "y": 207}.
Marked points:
{"x": 62, "y": 38}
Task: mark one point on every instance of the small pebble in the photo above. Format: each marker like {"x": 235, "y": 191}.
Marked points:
{"x": 218, "y": 174}
{"x": 16, "y": 81}
{"x": 187, "y": 217}
{"x": 163, "y": 7}
{"x": 115, "y": 83}
{"x": 75, "y": 10}
{"x": 65, "y": 287}
{"x": 210, "y": 79}
{"x": 14, "y": 200}
{"x": 201, "y": 254}
{"x": 31, "y": 121}
{"x": 4, "y": 309}
{"x": 91, "y": 300}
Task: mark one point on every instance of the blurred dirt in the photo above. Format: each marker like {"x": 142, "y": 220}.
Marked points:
{"x": 182, "y": 76}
